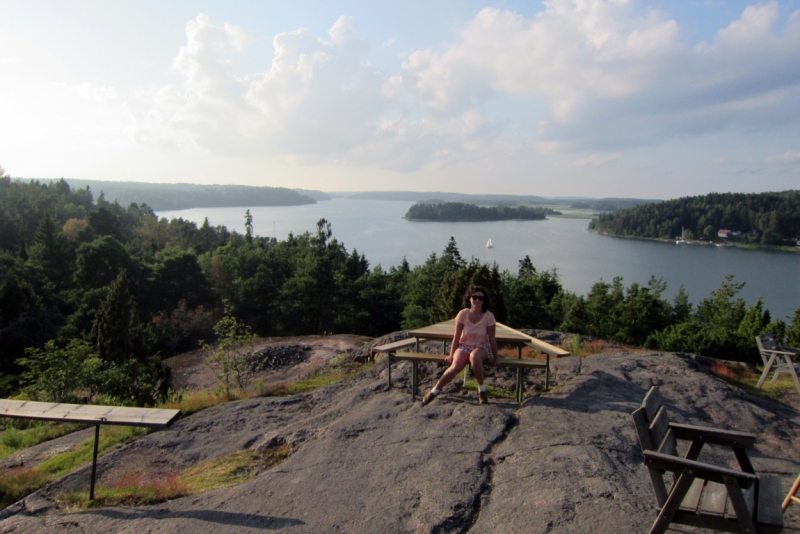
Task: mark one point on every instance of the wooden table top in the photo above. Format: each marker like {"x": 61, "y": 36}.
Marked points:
{"x": 85, "y": 413}
{"x": 503, "y": 334}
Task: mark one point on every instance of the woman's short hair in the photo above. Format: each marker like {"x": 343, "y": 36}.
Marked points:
{"x": 471, "y": 291}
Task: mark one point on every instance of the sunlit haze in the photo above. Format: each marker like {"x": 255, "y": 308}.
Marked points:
{"x": 621, "y": 98}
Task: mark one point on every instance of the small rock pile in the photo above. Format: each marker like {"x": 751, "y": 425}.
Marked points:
{"x": 279, "y": 356}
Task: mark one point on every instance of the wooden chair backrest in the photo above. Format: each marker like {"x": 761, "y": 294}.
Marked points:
{"x": 766, "y": 342}
{"x": 652, "y": 426}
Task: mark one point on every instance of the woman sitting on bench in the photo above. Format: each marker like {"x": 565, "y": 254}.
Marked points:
{"x": 473, "y": 342}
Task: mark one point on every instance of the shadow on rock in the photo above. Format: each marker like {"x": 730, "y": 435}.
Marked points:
{"x": 264, "y": 522}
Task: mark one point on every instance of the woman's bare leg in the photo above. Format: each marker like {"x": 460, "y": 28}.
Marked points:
{"x": 476, "y": 359}
{"x": 460, "y": 360}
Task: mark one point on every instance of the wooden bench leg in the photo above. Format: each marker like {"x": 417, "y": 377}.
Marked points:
{"x": 792, "y": 371}
{"x": 389, "y": 367}
{"x": 466, "y": 370}
{"x": 547, "y": 375}
{"x": 739, "y": 505}
{"x": 94, "y": 461}
{"x": 766, "y": 370}
{"x": 414, "y": 366}
{"x": 672, "y": 503}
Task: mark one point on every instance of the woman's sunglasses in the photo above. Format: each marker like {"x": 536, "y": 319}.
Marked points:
{"x": 477, "y": 297}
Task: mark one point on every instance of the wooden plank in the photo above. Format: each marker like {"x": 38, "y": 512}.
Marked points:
{"x": 769, "y": 510}
{"x": 87, "y": 413}
{"x": 669, "y": 445}
{"x": 714, "y": 500}
{"x": 715, "y": 436}
{"x": 710, "y": 472}
{"x": 692, "y": 499}
{"x": 391, "y": 347}
{"x": 418, "y": 357}
{"x": 446, "y": 329}
{"x": 659, "y": 426}
{"x": 652, "y": 402}
{"x": 642, "y": 429}
{"x": 547, "y": 348}
{"x": 502, "y": 362}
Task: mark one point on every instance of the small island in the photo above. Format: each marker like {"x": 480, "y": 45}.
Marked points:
{"x": 460, "y": 212}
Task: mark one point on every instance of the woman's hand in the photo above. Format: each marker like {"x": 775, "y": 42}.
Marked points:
{"x": 449, "y": 359}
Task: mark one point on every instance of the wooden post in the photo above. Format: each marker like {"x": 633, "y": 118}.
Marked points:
{"x": 547, "y": 375}
{"x": 444, "y": 346}
{"x": 414, "y": 381}
{"x": 94, "y": 460}
{"x": 466, "y": 370}
{"x": 389, "y": 367}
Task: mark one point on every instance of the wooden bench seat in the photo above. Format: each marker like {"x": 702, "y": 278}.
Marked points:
{"x": 393, "y": 346}
{"x": 419, "y": 357}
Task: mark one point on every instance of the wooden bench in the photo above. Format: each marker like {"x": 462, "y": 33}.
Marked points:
{"x": 89, "y": 414}
{"x": 703, "y": 494}
{"x": 776, "y": 359}
{"x": 416, "y": 357}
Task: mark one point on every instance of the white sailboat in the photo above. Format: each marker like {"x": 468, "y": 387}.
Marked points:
{"x": 489, "y": 243}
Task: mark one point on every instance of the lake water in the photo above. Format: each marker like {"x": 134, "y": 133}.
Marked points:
{"x": 376, "y": 229}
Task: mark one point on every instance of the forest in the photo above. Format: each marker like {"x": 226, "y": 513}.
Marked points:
{"x": 95, "y": 295}
{"x": 760, "y": 218}
{"x": 168, "y": 197}
{"x": 459, "y": 211}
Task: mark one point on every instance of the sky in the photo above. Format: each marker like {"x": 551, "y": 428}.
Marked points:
{"x": 614, "y": 98}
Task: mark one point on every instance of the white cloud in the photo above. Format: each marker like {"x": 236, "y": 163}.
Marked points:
{"x": 317, "y": 96}
{"x": 604, "y": 76}
{"x": 786, "y": 157}
{"x": 389, "y": 42}
{"x": 616, "y": 75}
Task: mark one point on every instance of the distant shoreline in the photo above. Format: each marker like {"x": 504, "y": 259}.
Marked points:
{"x": 747, "y": 246}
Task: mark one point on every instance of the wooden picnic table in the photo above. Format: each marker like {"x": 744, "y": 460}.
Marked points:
{"x": 89, "y": 414}
{"x": 444, "y": 331}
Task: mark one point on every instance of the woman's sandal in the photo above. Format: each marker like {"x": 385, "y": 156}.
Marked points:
{"x": 428, "y": 397}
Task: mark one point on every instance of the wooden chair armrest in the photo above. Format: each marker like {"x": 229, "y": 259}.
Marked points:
{"x": 714, "y": 436}
{"x": 783, "y": 350}
{"x": 675, "y": 464}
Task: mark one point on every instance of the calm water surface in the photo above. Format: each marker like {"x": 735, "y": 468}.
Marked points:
{"x": 376, "y": 229}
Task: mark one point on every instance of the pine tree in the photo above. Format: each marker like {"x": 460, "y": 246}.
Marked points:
{"x": 117, "y": 333}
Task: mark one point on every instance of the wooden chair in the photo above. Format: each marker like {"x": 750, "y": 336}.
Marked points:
{"x": 703, "y": 494}
{"x": 776, "y": 359}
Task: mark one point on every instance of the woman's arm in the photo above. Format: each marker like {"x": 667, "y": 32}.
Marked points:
{"x": 491, "y": 330}
{"x": 456, "y": 341}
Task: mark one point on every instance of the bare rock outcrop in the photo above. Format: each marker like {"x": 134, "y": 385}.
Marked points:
{"x": 367, "y": 459}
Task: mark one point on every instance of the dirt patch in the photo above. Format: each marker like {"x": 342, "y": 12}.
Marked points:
{"x": 277, "y": 360}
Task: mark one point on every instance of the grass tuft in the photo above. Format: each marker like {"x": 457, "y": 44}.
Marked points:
{"x": 136, "y": 489}
{"x": 746, "y": 379}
